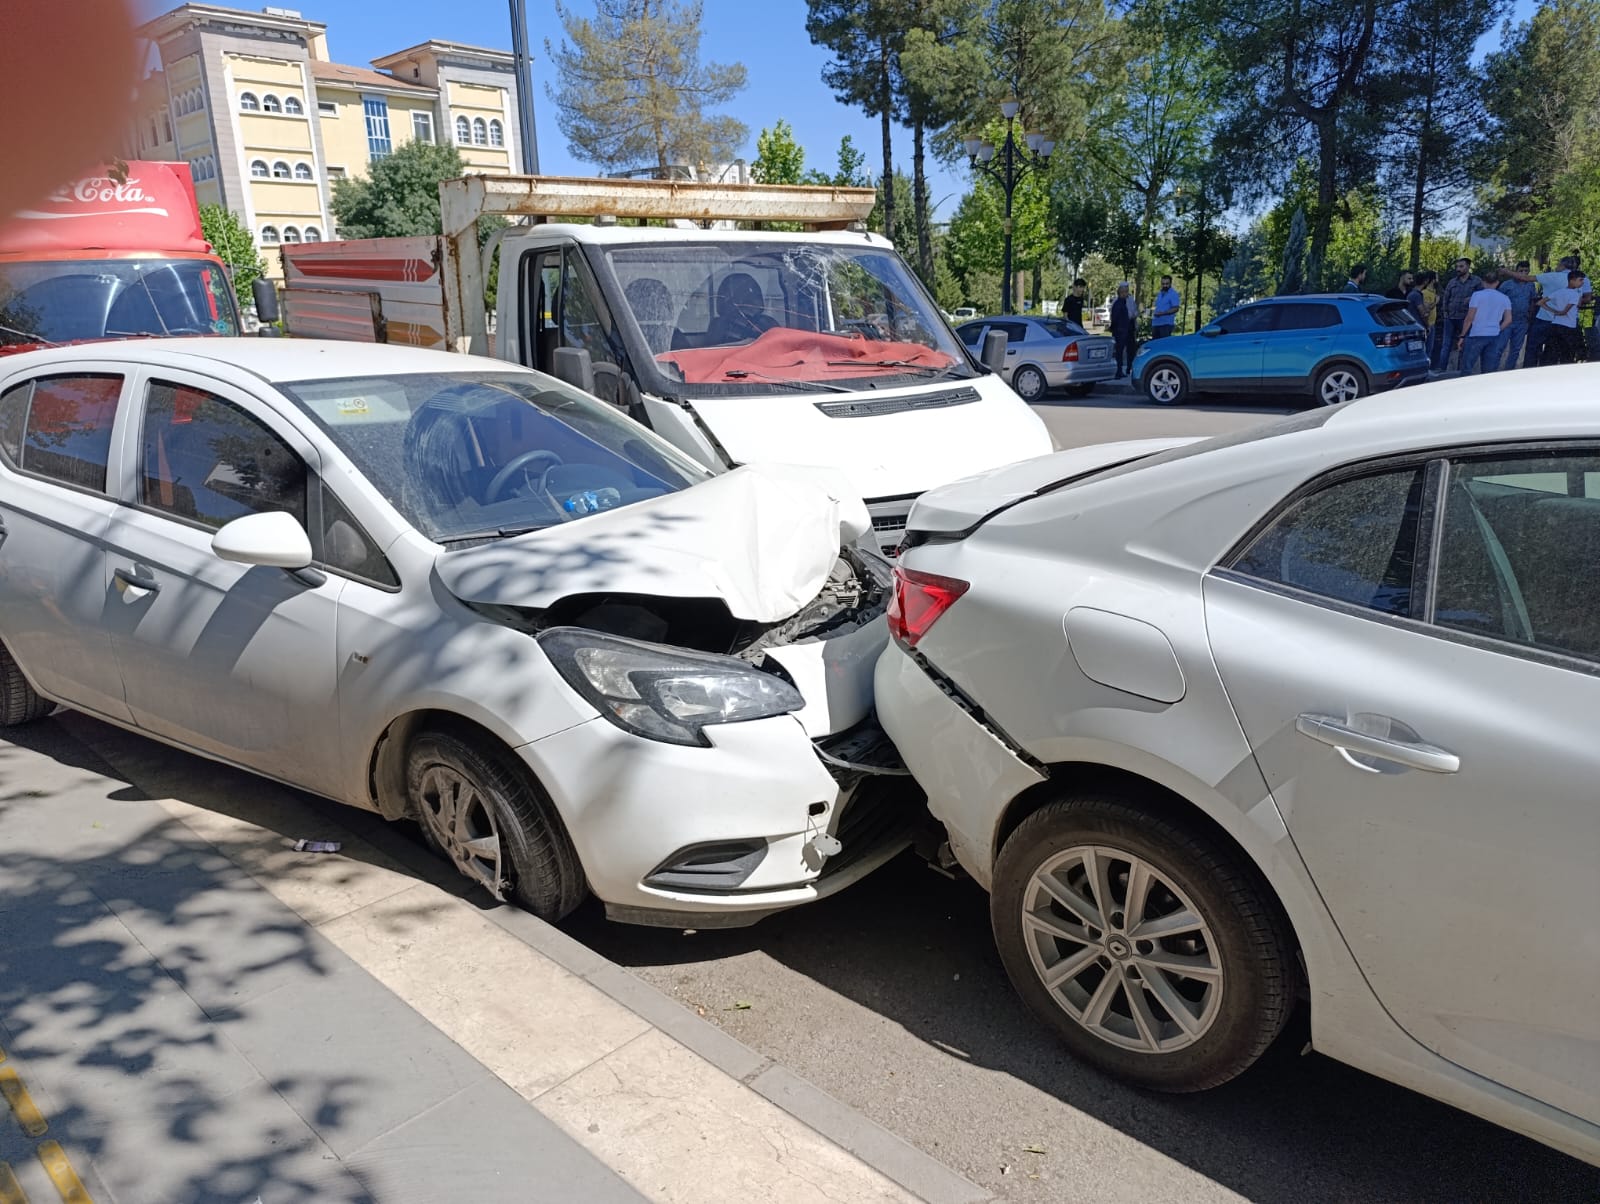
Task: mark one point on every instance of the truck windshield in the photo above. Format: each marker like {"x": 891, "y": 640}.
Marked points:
{"x": 730, "y": 317}
{"x": 72, "y": 300}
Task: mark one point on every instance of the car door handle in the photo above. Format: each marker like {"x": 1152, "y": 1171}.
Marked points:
{"x": 1336, "y": 732}
{"x": 139, "y": 579}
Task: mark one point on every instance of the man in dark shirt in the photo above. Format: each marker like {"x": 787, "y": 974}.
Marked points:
{"x": 1124, "y": 321}
{"x": 1455, "y": 301}
{"x": 1402, "y": 287}
{"x": 1072, "y": 304}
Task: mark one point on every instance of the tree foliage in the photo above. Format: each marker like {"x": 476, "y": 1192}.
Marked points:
{"x": 779, "y": 158}
{"x": 630, "y": 88}
{"x": 399, "y": 197}
{"x": 235, "y": 245}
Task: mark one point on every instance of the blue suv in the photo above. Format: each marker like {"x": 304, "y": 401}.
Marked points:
{"x": 1335, "y": 346}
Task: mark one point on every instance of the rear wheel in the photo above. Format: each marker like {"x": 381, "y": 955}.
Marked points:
{"x": 1143, "y": 944}
{"x": 1029, "y": 383}
{"x": 1166, "y": 384}
{"x": 19, "y": 701}
{"x": 1340, "y": 383}
{"x": 486, "y": 813}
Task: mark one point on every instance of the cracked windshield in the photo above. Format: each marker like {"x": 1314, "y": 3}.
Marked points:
{"x": 716, "y": 314}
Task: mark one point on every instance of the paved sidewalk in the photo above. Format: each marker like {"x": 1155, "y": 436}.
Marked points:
{"x": 197, "y": 1012}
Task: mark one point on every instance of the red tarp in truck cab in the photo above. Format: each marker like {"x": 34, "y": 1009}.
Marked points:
{"x": 154, "y": 209}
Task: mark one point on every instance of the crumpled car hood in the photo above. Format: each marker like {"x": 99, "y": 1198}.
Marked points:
{"x": 762, "y": 538}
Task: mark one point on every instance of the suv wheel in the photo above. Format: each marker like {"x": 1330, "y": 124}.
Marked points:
{"x": 1340, "y": 383}
{"x": 1166, "y": 384}
{"x": 1148, "y": 949}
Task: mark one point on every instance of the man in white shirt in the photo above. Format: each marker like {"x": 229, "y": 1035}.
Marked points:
{"x": 1563, "y": 344}
{"x": 1549, "y": 282}
{"x": 1483, "y": 339}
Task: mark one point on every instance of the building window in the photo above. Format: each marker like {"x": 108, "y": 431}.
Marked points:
{"x": 291, "y": 234}
{"x": 166, "y": 128}
{"x": 271, "y": 104}
{"x": 280, "y": 171}
{"x": 327, "y": 108}
{"x": 269, "y": 236}
{"x": 497, "y": 134}
{"x": 312, "y": 234}
{"x": 463, "y": 131}
{"x": 422, "y": 127}
{"x": 336, "y": 173}
{"x": 248, "y": 102}
{"x": 302, "y": 171}
{"x": 377, "y": 111}
{"x": 155, "y": 134}
{"x": 480, "y": 132}
{"x": 259, "y": 169}
{"x": 291, "y": 104}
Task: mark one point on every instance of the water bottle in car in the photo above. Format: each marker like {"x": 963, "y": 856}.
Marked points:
{"x": 591, "y": 500}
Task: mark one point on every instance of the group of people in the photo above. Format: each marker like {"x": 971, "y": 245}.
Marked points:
{"x": 1503, "y": 318}
{"x": 1125, "y": 314}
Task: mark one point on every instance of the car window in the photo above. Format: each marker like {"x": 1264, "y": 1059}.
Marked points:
{"x": 971, "y": 333}
{"x": 347, "y": 548}
{"x": 1062, "y": 329}
{"x": 59, "y": 427}
{"x": 1252, "y": 319}
{"x": 1395, "y": 313}
{"x": 206, "y": 461}
{"x": 1306, "y": 315}
{"x": 584, "y": 323}
{"x": 1015, "y": 332}
{"x": 1354, "y": 541}
{"x": 1516, "y": 559}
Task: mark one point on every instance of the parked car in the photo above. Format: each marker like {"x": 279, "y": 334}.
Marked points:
{"x": 461, "y": 592}
{"x": 964, "y": 312}
{"x": 1046, "y": 353}
{"x": 1302, "y": 713}
{"x": 1335, "y": 347}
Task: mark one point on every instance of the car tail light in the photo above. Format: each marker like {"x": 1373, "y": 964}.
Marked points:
{"x": 919, "y": 600}
{"x": 1393, "y": 338}
{"x": 1070, "y": 355}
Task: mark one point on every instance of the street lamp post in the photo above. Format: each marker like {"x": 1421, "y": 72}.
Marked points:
{"x": 1014, "y": 163}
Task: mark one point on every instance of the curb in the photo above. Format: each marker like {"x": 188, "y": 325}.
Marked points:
{"x": 885, "y": 1152}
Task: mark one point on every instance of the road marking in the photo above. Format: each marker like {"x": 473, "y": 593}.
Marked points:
{"x": 61, "y": 1173}
{"x": 10, "y": 1190}
{"x": 27, "y": 1112}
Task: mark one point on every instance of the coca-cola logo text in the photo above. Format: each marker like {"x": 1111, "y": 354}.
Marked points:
{"x": 103, "y": 189}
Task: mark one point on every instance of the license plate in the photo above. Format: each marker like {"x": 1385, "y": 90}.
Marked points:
{"x": 1097, "y": 353}
{"x": 1413, "y": 344}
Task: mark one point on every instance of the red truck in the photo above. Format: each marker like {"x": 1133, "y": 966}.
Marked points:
{"x": 104, "y": 258}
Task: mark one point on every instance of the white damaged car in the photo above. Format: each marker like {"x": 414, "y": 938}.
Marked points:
{"x": 464, "y": 594}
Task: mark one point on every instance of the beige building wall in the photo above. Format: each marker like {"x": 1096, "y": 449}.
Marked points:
{"x": 344, "y": 131}
{"x": 486, "y": 111}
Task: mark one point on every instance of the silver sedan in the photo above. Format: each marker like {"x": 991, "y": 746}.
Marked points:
{"x": 1305, "y": 715}
{"x": 1046, "y": 353}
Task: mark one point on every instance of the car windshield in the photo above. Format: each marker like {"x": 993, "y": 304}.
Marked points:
{"x": 466, "y": 456}
{"x": 72, "y": 300}
{"x": 1060, "y": 328}
{"x": 736, "y": 317}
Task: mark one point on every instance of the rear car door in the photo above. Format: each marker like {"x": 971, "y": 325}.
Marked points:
{"x": 1413, "y": 654}
{"x": 1017, "y": 334}
{"x": 233, "y": 660}
{"x": 1300, "y": 339}
{"x": 1232, "y": 358}
{"x": 57, "y": 476}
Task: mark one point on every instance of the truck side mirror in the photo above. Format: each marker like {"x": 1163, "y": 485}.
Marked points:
{"x": 265, "y": 294}
{"x": 994, "y": 351}
{"x": 573, "y": 365}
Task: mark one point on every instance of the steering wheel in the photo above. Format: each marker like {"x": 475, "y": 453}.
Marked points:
{"x": 520, "y": 464}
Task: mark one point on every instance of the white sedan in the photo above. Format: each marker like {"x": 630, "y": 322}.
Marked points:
{"x": 459, "y": 592}
{"x": 1306, "y": 713}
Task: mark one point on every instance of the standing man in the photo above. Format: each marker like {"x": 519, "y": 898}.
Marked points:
{"x": 1519, "y": 289}
{"x": 1358, "y": 279}
{"x": 1563, "y": 345}
{"x": 1164, "y": 320}
{"x": 1072, "y": 303}
{"x": 1402, "y": 287}
{"x": 1484, "y": 328}
{"x": 1549, "y": 282}
{"x": 1417, "y": 297}
{"x": 1458, "y": 294}
{"x": 1124, "y": 318}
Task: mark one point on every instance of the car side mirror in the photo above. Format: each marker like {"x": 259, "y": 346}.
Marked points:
{"x": 265, "y": 294}
{"x": 274, "y": 540}
{"x": 1212, "y": 332}
{"x": 994, "y": 350}
{"x": 574, "y": 366}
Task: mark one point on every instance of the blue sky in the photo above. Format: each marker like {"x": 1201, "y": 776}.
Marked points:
{"x": 767, "y": 36}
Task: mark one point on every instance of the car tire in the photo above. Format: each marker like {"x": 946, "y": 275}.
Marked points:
{"x": 1029, "y": 383}
{"x": 1235, "y": 1005}
{"x": 1166, "y": 383}
{"x": 505, "y": 834}
{"x": 19, "y": 701}
{"x": 1080, "y": 390}
{"x": 1339, "y": 383}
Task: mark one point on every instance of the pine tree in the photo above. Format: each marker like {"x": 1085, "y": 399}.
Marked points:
{"x": 1292, "y": 279}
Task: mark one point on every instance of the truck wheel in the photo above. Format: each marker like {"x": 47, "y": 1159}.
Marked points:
{"x": 19, "y": 701}
{"x": 1148, "y": 948}
{"x": 487, "y": 814}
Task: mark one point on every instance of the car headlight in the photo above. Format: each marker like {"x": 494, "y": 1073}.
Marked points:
{"x": 666, "y": 694}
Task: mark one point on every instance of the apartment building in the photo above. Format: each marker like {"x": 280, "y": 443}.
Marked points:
{"x": 268, "y": 122}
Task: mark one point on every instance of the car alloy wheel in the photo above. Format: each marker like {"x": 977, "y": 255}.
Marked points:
{"x": 1338, "y": 385}
{"x": 1029, "y": 383}
{"x": 1165, "y": 385}
{"x": 462, "y": 824}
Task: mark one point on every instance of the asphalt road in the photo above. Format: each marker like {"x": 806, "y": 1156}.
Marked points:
{"x": 891, "y": 998}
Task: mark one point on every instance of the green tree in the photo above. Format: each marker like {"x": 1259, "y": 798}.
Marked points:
{"x": 1292, "y": 279}
{"x": 399, "y": 197}
{"x": 1248, "y": 274}
{"x": 631, "y": 89}
{"x": 231, "y": 239}
{"x": 779, "y": 158}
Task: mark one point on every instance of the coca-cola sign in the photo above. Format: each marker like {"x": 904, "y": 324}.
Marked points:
{"x": 151, "y": 209}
